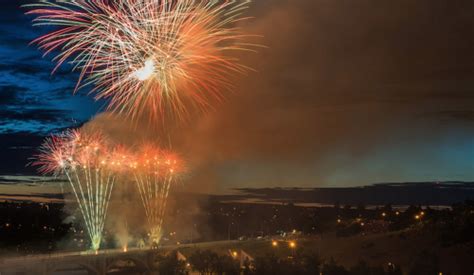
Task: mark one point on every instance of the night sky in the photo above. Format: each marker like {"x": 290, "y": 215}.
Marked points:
{"x": 33, "y": 103}
{"x": 346, "y": 93}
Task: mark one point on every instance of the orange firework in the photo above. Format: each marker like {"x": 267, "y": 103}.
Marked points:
{"x": 147, "y": 56}
{"x": 155, "y": 170}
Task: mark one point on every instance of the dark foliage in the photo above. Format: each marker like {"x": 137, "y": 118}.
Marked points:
{"x": 170, "y": 265}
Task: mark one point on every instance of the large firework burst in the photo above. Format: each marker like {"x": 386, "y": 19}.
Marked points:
{"x": 147, "y": 56}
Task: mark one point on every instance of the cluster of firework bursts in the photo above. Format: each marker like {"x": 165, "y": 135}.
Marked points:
{"x": 153, "y": 57}
{"x": 89, "y": 165}
{"x": 72, "y": 150}
{"x": 92, "y": 166}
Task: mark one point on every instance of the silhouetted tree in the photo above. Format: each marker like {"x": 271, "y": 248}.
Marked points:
{"x": 227, "y": 265}
{"x": 310, "y": 263}
{"x": 204, "y": 262}
{"x": 332, "y": 268}
{"x": 362, "y": 268}
{"x": 267, "y": 265}
{"x": 170, "y": 265}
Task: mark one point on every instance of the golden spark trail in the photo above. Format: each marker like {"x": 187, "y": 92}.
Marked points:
{"x": 91, "y": 172}
{"x": 155, "y": 171}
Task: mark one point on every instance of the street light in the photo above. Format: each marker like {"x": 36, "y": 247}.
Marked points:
{"x": 274, "y": 243}
{"x": 292, "y": 245}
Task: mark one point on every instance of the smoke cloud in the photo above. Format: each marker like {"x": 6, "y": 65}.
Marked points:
{"x": 343, "y": 92}
{"x": 337, "y": 82}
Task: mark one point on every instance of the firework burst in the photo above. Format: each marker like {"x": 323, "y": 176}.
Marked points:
{"x": 147, "y": 56}
{"x": 90, "y": 167}
{"x": 155, "y": 170}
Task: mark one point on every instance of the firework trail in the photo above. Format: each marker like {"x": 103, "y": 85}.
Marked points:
{"x": 90, "y": 168}
{"x": 155, "y": 171}
{"x": 147, "y": 56}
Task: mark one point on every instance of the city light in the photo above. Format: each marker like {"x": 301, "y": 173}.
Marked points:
{"x": 274, "y": 243}
{"x": 292, "y": 244}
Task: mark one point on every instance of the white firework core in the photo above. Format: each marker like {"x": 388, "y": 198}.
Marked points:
{"x": 146, "y": 71}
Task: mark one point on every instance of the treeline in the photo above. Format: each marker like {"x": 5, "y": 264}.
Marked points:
{"x": 210, "y": 263}
{"x": 28, "y": 228}
{"x": 451, "y": 226}
{"x": 224, "y": 220}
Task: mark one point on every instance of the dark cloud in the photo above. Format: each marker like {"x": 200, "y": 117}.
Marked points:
{"x": 403, "y": 193}
{"x": 9, "y": 94}
{"x": 16, "y": 151}
{"x": 46, "y": 116}
{"x": 19, "y": 68}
